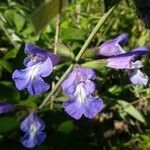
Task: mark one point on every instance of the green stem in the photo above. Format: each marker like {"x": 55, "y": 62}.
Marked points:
{"x": 95, "y": 30}
{"x": 58, "y": 22}
{"x": 56, "y": 86}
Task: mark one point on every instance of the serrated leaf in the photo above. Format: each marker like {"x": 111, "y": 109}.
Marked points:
{"x": 95, "y": 64}
{"x": 44, "y": 13}
{"x": 71, "y": 34}
{"x": 66, "y": 127}
{"x": 7, "y": 124}
{"x": 131, "y": 110}
{"x": 64, "y": 51}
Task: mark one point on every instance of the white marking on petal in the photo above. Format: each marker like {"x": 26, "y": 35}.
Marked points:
{"x": 80, "y": 93}
{"x": 120, "y": 48}
{"x": 34, "y": 71}
{"x": 137, "y": 64}
{"x": 33, "y": 130}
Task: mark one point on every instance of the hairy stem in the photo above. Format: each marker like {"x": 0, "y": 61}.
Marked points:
{"x": 91, "y": 36}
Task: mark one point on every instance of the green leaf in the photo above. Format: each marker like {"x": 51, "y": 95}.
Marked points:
{"x": 15, "y": 18}
{"x": 9, "y": 92}
{"x": 131, "y": 110}
{"x": 9, "y": 14}
{"x": 44, "y": 13}
{"x": 63, "y": 66}
{"x": 11, "y": 54}
{"x": 7, "y": 124}
{"x": 71, "y": 34}
{"x": 66, "y": 127}
{"x": 64, "y": 51}
{"x": 98, "y": 65}
{"x": 31, "y": 101}
{"x": 6, "y": 65}
{"x": 90, "y": 53}
{"x": 19, "y": 21}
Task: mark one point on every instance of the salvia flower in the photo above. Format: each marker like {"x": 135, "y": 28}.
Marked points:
{"x": 79, "y": 87}
{"x": 33, "y": 127}
{"x": 117, "y": 58}
{"x": 39, "y": 64}
{"x": 6, "y": 107}
{"x": 113, "y": 47}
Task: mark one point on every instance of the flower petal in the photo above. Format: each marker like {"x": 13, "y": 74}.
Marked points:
{"x": 89, "y": 87}
{"x": 73, "y": 108}
{"x": 69, "y": 84}
{"x": 40, "y": 137}
{"x": 37, "y": 86}
{"x": 32, "y": 49}
{"x": 123, "y": 38}
{"x": 54, "y": 58}
{"x": 28, "y": 62}
{"x": 119, "y": 62}
{"x": 6, "y": 107}
{"x": 92, "y": 107}
{"x": 46, "y": 68}
{"x": 32, "y": 119}
{"x": 112, "y": 47}
{"x": 28, "y": 141}
{"x": 138, "y": 78}
{"x": 89, "y": 73}
{"x": 21, "y": 78}
{"x": 134, "y": 53}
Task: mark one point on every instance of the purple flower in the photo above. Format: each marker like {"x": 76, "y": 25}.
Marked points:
{"x": 127, "y": 60}
{"x": 33, "y": 127}
{"x": 6, "y": 107}
{"x": 113, "y": 47}
{"x": 39, "y": 64}
{"x": 119, "y": 59}
{"x": 79, "y": 87}
{"x": 138, "y": 78}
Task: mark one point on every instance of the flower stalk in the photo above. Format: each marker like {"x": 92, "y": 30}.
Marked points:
{"x": 58, "y": 23}
{"x": 84, "y": 47}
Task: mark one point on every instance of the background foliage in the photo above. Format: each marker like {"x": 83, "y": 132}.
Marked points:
{"x": 124, "y": 122}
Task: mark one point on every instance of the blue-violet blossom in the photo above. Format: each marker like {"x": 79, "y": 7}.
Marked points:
{"x": 39, "y": 63}
{"x": 113, "y": 47}
{"x": 6, "y": 107}
{"x": 119, "y": 59}
{"x": 33, "y": 127}
{"x": 79, "y": 87}
{"x": 138, "y": 78}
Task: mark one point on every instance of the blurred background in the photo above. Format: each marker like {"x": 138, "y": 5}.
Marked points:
{"x": 124, "y": 123}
